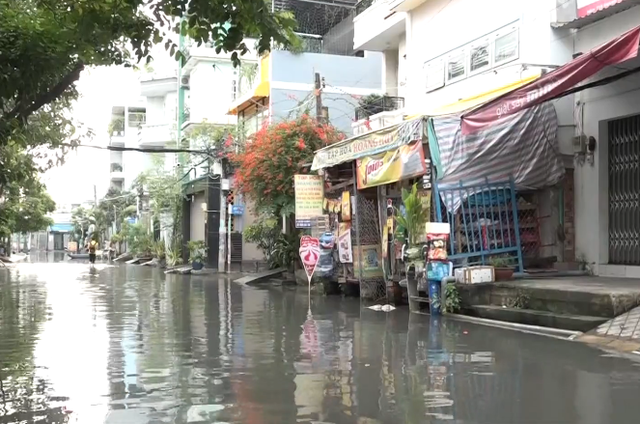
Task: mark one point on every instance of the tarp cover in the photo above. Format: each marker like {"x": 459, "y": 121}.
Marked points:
{"x": 523, "y": 146}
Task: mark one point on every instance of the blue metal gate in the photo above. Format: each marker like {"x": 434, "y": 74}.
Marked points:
{"x": 484, "y": 222}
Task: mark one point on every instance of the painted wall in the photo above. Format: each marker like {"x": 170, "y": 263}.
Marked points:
{"x": 292, "y": 82}
{"x": 458, "y": 19}
{"x": 600, "y": 105}
{"x": 339, "y": 71}
{"x": 341, "y": 106}
{"x": 210, "y": 92}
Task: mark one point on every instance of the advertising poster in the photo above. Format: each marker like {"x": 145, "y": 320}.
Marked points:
{"x": 395, "y": 165}
{"x": 346, "y": 206}
{"x": 309, "y": 192}
{"x": 345, "y": 251}
{"x": 371, "y": 261}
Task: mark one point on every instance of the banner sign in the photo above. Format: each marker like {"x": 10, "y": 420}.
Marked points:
{"x": 309, "y": 254}
{"x": 345, "y": 251}
{"x": 395, "y": 165}
{"x": 309, "y": 193}
{"x": 589, "y": 7}
{"x": 368, "y": 144}
{"x": 553, "y": 83}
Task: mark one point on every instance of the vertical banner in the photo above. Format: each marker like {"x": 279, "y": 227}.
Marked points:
{"x": 346, "y": 206}
{"x": 309, "y": 193}
{"x": 345, "y": 251}
{"x": 309, "y": 254}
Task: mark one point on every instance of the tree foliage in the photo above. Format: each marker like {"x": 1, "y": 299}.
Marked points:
{"x": 265, "y": 169}
{"x": 46, "y": 44}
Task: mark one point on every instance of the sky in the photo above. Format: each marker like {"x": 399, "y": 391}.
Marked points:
{"x": 100, "y": 89}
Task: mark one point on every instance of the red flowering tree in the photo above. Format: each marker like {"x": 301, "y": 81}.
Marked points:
{"x": 273, "y": 155}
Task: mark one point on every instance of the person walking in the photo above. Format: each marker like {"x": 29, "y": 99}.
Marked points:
{"x": 93, "y": 246}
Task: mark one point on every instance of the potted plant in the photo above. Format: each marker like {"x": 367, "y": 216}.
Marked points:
{"x": 411, "y": 221}
{"x": 197, "y": 253}
{"x": 502, "y": 269}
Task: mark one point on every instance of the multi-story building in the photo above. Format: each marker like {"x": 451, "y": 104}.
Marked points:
{"x": 124, "y": 127}
{"x": 438, "y": 52}
{"x": 159, "y": 131}
{"x": 607, "y": 171}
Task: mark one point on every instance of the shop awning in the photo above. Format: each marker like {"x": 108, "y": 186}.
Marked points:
{"x": 554, "y": 83}
{"x": 371, "y": 143}
{"x": 260, "y": 92}
{"x": 61, "y": 228}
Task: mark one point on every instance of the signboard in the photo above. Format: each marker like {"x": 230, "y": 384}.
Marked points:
{"x": 370, "y": 262}
{"x": 589, "y": 7}
{"x": 368, "y": 144}
{"x": 309, "y": 254}
{"x": 345, "y": 251}
{"x": 395, "y": 165}
{"x": 237, "y": 210}
{"x": 554, "y": 83}
{"x": 309, "y": 199}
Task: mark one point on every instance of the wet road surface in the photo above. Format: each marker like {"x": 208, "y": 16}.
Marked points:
{"x": 128, "y": 344}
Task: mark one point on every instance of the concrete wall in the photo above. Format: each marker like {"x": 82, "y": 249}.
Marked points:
{"x": 600, "y": 105}
{"x": 197, "y": 217}
{"x": 341, "y": 71}
{"x": 458, "y": 19}
{"x": 346, "y": 78}
{"x": 210, "y": 92}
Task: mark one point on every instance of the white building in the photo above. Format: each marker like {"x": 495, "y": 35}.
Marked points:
{"x": 607, "y": 212}
{"x": 438, "y": 52}
{"x": 159, "y": 131}
{"x": 126, "y": 122}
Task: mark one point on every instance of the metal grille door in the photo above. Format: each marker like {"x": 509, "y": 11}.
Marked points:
{"x": 624, "y": 191}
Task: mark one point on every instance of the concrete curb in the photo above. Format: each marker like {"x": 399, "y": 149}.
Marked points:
{"x": 259, "y": 277}
{"x": 557, "y": 333}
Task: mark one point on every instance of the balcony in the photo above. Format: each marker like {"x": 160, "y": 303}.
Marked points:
{"x": 377, "y": 26}
{"x": 157, "y": 135}
{"x": 377, "y": 112}
{"x": 116, "y": 171}
{"x": 158, "y": 86}
{"x": 576, "y": 14}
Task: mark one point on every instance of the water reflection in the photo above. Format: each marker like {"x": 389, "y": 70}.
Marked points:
{"x": 130, "y": 345}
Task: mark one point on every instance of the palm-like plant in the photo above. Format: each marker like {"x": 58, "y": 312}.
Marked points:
{"x": 415, "y": 215}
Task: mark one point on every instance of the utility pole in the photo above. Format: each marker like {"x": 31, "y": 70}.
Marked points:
{"x": 95, "y": 196}
{"x": 318, "y": 93}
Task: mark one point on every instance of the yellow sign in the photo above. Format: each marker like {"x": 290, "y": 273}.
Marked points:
{"x": 368, "y": 144}
{"x": 395, "y": 165}
{"x": 309, "y": 198}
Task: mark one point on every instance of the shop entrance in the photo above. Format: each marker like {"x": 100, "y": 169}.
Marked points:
{"x": 624, "y": 191}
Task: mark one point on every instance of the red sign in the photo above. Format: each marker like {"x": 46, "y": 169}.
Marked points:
{"x": 588, "y": 7}
{"x": 310, "y": 254}
{"x": 555, "y": 82}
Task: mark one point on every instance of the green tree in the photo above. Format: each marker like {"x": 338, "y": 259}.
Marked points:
{"x": 25, "y": 209}
{"x": 46, "y": 44}
{"x": 116, "y": 206}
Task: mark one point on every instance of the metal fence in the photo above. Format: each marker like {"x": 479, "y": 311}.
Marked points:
{"x": 374, "y": 105}
{"x": 484, "y": 223}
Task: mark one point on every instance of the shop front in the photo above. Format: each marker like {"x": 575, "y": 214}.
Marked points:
{"x": 363, "y": 177}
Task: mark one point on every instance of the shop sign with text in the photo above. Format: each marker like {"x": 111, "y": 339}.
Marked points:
{"x": 396, "y": 165}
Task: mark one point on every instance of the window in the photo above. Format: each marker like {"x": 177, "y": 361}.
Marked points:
{"x": 506, "y": 47}
{"x": 480, "y": 57}
{"x": 435, "y": 74}
{"x": 456, "y": 67}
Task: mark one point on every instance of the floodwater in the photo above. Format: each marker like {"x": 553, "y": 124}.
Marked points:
{"x": 128, "y": 344}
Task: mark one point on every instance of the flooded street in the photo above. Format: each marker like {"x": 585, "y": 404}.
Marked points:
{"x": 128, "y": 344}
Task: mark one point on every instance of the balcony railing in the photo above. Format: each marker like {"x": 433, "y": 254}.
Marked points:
{"x": 363, "y": 5}
{"x": 116, "y": 167}
{"x": 373, "y": 105}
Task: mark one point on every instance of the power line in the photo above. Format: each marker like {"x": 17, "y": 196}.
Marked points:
{"x": 139, "y": 149}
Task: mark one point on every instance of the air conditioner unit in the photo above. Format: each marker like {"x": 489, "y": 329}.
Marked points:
{"x": 184, "y": 82}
